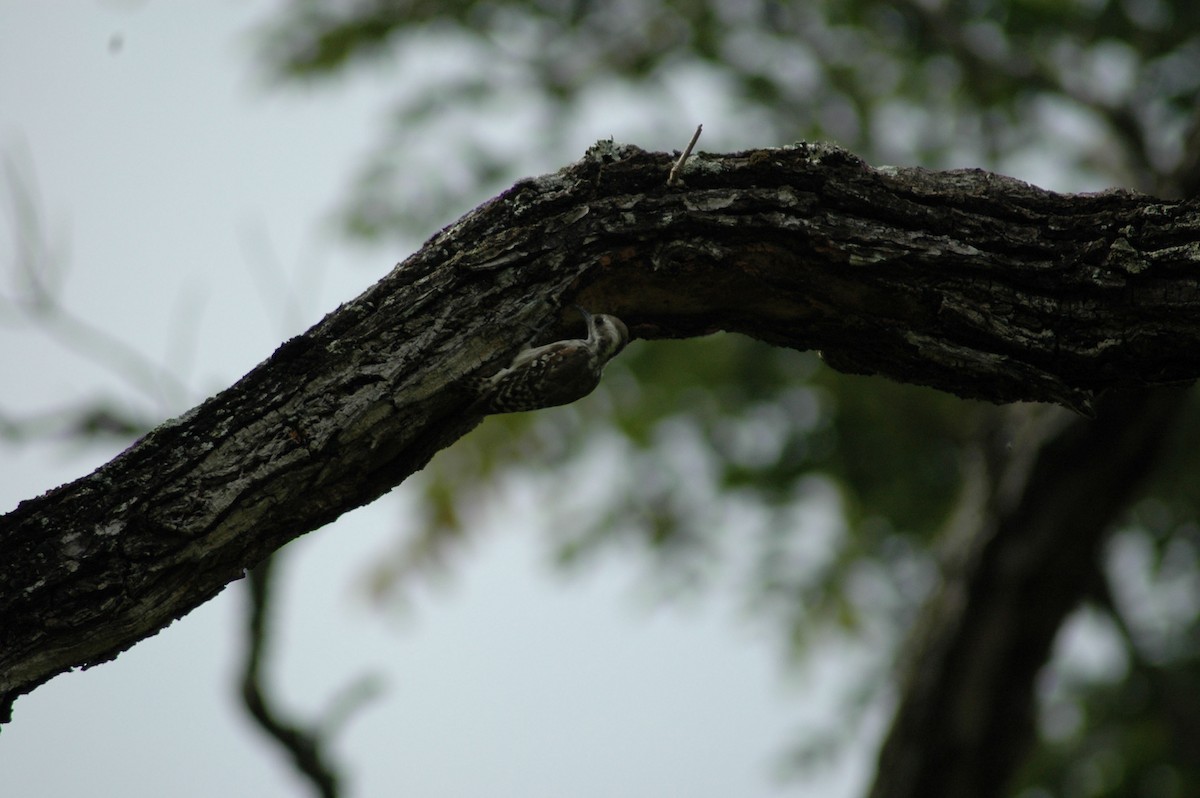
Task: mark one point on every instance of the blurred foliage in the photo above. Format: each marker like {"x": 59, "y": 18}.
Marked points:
{"x": 1136, "y": 737}
{"x": 1135, "y": 732}
{"x": 828, "y": 490}
{"x": 1104, "y": 91}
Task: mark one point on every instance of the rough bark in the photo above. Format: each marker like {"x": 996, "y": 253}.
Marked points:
{"x": 967, "y": 281}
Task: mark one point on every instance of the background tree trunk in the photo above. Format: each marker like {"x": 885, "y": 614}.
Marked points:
{"x": 1027, "y": 549}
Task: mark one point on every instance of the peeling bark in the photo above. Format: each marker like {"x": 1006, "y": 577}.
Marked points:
{"x": 967, "y": 281}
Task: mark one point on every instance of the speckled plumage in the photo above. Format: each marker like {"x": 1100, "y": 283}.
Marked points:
{"x": 557, "y": 373}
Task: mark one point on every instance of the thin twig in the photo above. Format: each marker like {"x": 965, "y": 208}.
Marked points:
{"x": 307, "y": 747}
{"x": 673, "y": 178}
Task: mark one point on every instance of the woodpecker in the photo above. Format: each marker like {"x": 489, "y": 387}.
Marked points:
{"x": 554, "y": 374}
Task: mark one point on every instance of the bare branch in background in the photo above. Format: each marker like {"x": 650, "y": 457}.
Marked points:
{"x": 35, "y": 301}
{"x": 305, "y": 746}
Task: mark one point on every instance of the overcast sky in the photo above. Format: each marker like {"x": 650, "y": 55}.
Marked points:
{"x": 181, "y": 201}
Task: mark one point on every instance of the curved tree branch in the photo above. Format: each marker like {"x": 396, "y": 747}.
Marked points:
{"x": 964, "y": 280}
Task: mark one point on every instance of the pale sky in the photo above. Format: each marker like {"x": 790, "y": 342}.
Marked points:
{"x": 163, "y": 171}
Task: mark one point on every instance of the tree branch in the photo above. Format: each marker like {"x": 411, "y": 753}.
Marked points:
{"x": 967, "y": 281}
{"x": 305, "y": 746}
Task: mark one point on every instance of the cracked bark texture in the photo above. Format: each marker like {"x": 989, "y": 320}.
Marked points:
{"x": 970, "y": 282}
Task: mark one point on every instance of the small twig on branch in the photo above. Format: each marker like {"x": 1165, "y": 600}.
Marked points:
{"x": 673, "y": 178}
